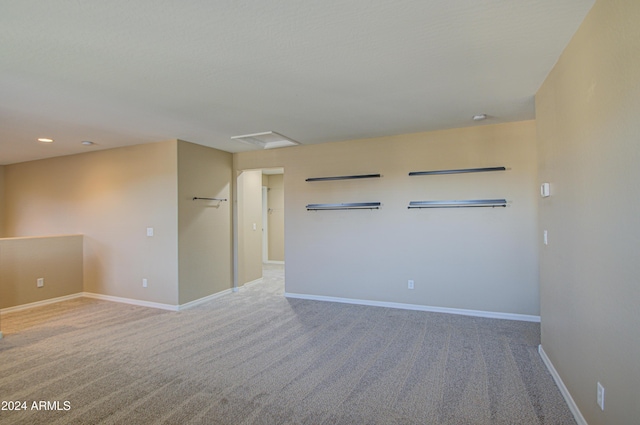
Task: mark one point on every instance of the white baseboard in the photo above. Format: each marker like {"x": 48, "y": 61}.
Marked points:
{"x": 253, "y": 282}
{"x": 563, "y": 389}
{"x": 205, "y": 299}
{"x": 41, "y": 303}
{"x": 131, "y": 301}
{"x": 122, "y": 300}
{"x": 274, "y": 262}
{"x": 403, "y": 306}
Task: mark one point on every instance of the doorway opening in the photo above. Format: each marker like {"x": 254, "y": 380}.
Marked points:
{"x": 273, "y": 216}
{"x": 259, "y": 223}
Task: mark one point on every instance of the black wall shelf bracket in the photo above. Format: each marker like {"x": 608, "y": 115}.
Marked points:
{"x": 345, "y": 206}
{"x": 361, "y": 176}
{"x": 472, "y": 203}
{"x": 460, "y": 171}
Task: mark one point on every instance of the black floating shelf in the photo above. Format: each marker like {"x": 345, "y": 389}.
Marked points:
{"x": 345, "y": 206}
{"x": 361, "y": 176}
{"x": 472, "y": 203}
{"x": 460, "y": 171}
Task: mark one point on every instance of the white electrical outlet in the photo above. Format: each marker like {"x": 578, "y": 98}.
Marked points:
{"x": 410, "y": 284}
{"x": 600, "y": 396}
{"x": 149, "y": 231}
{"x": 40, "y": 282}
{"x": 144, "y": 283}
{"x": 545, "y": 237}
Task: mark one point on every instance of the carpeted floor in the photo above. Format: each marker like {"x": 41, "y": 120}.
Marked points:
{"x": 254, "y": 357}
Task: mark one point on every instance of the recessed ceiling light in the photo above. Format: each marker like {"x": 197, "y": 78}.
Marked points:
{"x": 87, "y": 142}
{"x": 45, "y": 140}
{"x": 480, "y": 117}
{"x": 266, "y": 140}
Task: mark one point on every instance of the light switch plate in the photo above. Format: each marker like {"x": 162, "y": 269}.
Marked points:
{"x": 600, "y": 396}
{"x": 545, "y": 190}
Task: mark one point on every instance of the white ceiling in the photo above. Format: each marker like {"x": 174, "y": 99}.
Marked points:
{"x": 123, "y": 72}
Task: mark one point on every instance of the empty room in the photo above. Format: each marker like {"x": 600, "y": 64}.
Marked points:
{"x": 276, "y": 212}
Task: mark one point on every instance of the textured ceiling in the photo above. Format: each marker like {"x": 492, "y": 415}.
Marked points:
{"x": 127, "y": 72}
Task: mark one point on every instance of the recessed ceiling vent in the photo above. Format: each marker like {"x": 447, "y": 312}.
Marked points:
{"x": 266, "y": 140}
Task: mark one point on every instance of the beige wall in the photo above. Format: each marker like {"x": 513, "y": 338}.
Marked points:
{"x": 204, "y": 227}
{"x": 2, "y": 203}
{"x": 58, "y": 260}
{"x": 589, "y": 151}
{"x": 249, "y": 186}
{"x": 475, "y": 258}
{"x": 111, "y": 197}
{"x": 275, "y": 201}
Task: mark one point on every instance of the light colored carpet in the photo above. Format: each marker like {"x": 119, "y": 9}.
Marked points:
{"x": 254, "y": 357}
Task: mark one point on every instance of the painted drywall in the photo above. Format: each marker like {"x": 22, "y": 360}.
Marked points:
{"x": 58, "y": 260}
{"x": 112, "y": 197}
{"x": 275, "y": 202}
{"x": 204, "y": 227}
{"x": 249, "y": 199}
{"x": 589, "y": 152}
{"x": 476, "y": 258}
{"x": 2, "y": 203}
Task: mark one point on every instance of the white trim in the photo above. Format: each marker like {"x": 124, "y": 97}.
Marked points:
{"x": 41, "y": 303}
{"x": 204, "y": 299}
{"x": 265, "y": 224}
{"x": 563, "y": 389}
{"x": 123, "y": 300}
{"x": 234, "y": 223}
{"x": 140, "y": 303}
{"x": 274, "y": 262}
{"x": 476, "y": 313}
{"x": 253, "y": 282}
{"x": 18, "y": 238}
